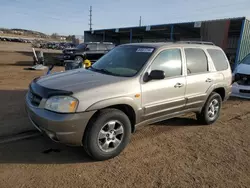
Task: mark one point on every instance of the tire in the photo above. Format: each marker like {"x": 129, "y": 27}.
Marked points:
{"x": 206, "y": 117}
{"x": 103, "y": 142}
{"x": 79, "y": 59}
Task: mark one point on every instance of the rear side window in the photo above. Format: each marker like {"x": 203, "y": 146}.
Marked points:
{"x": 92, "y": 47}
{"x": 102, "y": 47}
{"x": 196, "y": 61}
{"x": 219, "y": 59}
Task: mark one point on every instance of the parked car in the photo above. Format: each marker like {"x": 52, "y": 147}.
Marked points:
{"x": 132, "y": 85}
{"x": 241, "y": 86}
{"x": 91, "y": 51}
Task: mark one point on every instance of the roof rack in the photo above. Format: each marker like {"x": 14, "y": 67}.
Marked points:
{"x": 196, "y": 42}
{"x": 99, "y": 42}
{"x": 107, "y": 42}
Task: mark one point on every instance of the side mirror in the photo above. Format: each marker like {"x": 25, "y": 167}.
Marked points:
{"x": 86, "y": 49}
{"x": 157, "y": 75}
{"x": 154, "y": 75}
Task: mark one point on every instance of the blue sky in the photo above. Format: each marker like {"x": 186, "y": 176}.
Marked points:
{"x": 71, "y": 16}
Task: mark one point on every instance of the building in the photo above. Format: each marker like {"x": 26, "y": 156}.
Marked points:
{"x": 232, "y": 34}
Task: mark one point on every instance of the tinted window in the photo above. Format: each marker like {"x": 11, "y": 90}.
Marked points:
{"x": 81, "y": 46}
{"x": 196, "y": 61}
{"x": 92, "y": 46}
{"x": 168, "y": 61}
{"x": 123, "y": 60}
{"x": 102, "y": 47}
{"x": 219, "y": 59}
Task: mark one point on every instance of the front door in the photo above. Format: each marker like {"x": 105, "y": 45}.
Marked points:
{"x": 166, "y": 96}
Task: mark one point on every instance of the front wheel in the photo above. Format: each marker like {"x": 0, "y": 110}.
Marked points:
{"x": 107, "y": 135}
{"x": 211, "y": 110}
{"x": 79, "y": 59}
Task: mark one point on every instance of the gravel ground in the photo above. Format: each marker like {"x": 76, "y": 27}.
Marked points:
{"x": 173, "y": 153}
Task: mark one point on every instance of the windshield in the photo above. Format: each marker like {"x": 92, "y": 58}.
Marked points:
{"x": 246, "y": 60}
{"x": 124, "y": 60}
{"x": 81, "y": 46}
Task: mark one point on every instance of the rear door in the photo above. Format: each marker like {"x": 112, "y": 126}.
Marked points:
{"x": 199, "y": 78}
{"x": 92, "y": 53}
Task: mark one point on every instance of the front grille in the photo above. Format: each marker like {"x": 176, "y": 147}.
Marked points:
{"x": 34, "y": 98}
{"x": 244, "y": 91}
{"x": 243, "y": 79}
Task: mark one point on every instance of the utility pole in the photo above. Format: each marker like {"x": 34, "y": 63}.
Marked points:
{"x": 140, "y": 22}
{"x": 90, "y": 18}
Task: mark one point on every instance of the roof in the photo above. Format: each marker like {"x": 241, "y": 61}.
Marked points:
{"x": 166, "y": 24}
{"x": 173, "y": 44}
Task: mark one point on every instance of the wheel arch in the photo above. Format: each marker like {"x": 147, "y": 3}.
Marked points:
{"x": 124, "y": 104}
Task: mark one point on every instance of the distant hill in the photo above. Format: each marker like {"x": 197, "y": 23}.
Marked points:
{"x": 17, "y": 32}
{"x": 29, "y": 32}
{"x": 24, "y": 32}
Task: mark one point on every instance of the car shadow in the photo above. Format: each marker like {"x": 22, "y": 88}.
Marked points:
{"x": 237, "y": 99}
{"x": 179, "y": 121}
{"x": 41, "y": 150}
{"x": 23, "y": 63}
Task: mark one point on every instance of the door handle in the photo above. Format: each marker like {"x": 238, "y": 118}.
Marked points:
{"x": 178, "y": 85}
{"x": 209, "y": 80}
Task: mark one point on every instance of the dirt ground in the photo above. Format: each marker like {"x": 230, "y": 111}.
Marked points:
{"x": 173, "y": 153}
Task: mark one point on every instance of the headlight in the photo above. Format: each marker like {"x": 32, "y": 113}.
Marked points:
{"x": 63, "y": 104}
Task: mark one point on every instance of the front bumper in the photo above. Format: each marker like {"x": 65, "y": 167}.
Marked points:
{"x": 64, "y": 128}
{"x": 237, "y": 91}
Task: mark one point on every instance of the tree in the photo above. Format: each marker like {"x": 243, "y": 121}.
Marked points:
{"x": 71, "y": 38}
{"x": 54, "y": 35}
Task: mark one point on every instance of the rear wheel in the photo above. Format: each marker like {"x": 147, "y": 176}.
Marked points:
{"x": 211, "y": 110}
{"x": 107, "y": 134}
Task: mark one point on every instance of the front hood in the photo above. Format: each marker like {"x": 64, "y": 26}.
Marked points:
{"x": 242, "y": 69}
{"x": 77, "y": 80}
{"x": 71, "y": 49}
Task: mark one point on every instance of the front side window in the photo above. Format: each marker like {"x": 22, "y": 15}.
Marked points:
{"x": 196, "y": 61}
{"x": 123, "y": 60}
{"x": 169, "y": 61}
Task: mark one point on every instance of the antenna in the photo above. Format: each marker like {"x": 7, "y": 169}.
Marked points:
{"x": 140, "y": 22}
{"x": 90, "y": 18}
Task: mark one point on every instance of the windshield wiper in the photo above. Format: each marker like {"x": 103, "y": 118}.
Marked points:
{"x": 102, "y": 71}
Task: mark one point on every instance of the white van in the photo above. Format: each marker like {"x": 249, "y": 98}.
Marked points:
{"x": 241, "y": 86}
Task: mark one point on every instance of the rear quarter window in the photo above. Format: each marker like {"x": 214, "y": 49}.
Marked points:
{"x": 219, "y": 59}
